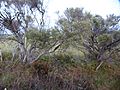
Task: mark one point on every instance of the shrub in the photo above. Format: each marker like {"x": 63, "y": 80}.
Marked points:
{"x": 7, "y": 55}
{"x": 64, "y": 59}
{"x": 7, "y": 79}
{"x": 115, "y": 85}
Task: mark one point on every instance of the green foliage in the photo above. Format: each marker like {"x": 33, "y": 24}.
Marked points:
{"x": 36, "y": 35}
{"x": 7, "y": 79}
{"x": 104, "y": 39}
{"x": 55, "y": 34}
{"x": 41, "y": 38}
{"x": 65, "y": 59}
{"x": 7, "y": 55}
{"x": 115, "y": 85}
{"x": 116, "y": 35}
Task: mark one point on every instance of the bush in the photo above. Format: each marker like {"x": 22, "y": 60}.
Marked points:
{"x": 7, "y": 55}
{"x": 58, "y": 72}
{"x": 115, "y": 85}
{"x": 7, "y": 79}
{"x": 64, "y": 59}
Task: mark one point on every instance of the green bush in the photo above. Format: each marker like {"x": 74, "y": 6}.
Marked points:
{"x": 64, "y": 59}
{"x": 7, "y": 55}
{"x": 45, "y": 58}
{"x": 7, "y": 79}
{"x": 115, "y": 85}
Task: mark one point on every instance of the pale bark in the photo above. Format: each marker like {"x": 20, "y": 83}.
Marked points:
{"x": 1, "y": 55}
{"x": 99, "y": 65}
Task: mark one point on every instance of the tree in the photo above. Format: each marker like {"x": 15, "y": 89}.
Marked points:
{"x": 20, "y": 18}
{"x": 93, "y": 35}
{"x": 74, "y": 25}
{"x": 42, "y": 42}
{"x": 16, "y": 16}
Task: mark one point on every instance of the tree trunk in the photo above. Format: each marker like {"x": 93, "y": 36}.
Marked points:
{"x": 22, "y": 53}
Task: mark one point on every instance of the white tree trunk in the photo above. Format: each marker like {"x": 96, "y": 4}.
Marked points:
{"x": 1, "y": 55}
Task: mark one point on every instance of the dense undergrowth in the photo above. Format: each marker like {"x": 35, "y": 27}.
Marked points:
{"x": 58, "y": 72}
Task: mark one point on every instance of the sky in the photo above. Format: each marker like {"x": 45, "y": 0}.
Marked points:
{"x": 100, "y": 7}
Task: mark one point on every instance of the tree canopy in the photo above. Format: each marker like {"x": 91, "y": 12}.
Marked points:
{"x": 94, "y": 34}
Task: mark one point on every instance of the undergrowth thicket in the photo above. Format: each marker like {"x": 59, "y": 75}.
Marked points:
{"x": 58, "y": 72}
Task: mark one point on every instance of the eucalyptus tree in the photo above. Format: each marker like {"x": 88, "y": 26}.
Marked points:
{"x": 76, "y": 27}
{"x": 93, "y": 35}
{"x": 42, "y": 42}
{"x": 16, "y": 17}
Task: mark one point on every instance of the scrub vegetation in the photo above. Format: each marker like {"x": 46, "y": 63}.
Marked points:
{"x": 81, "y": 51}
